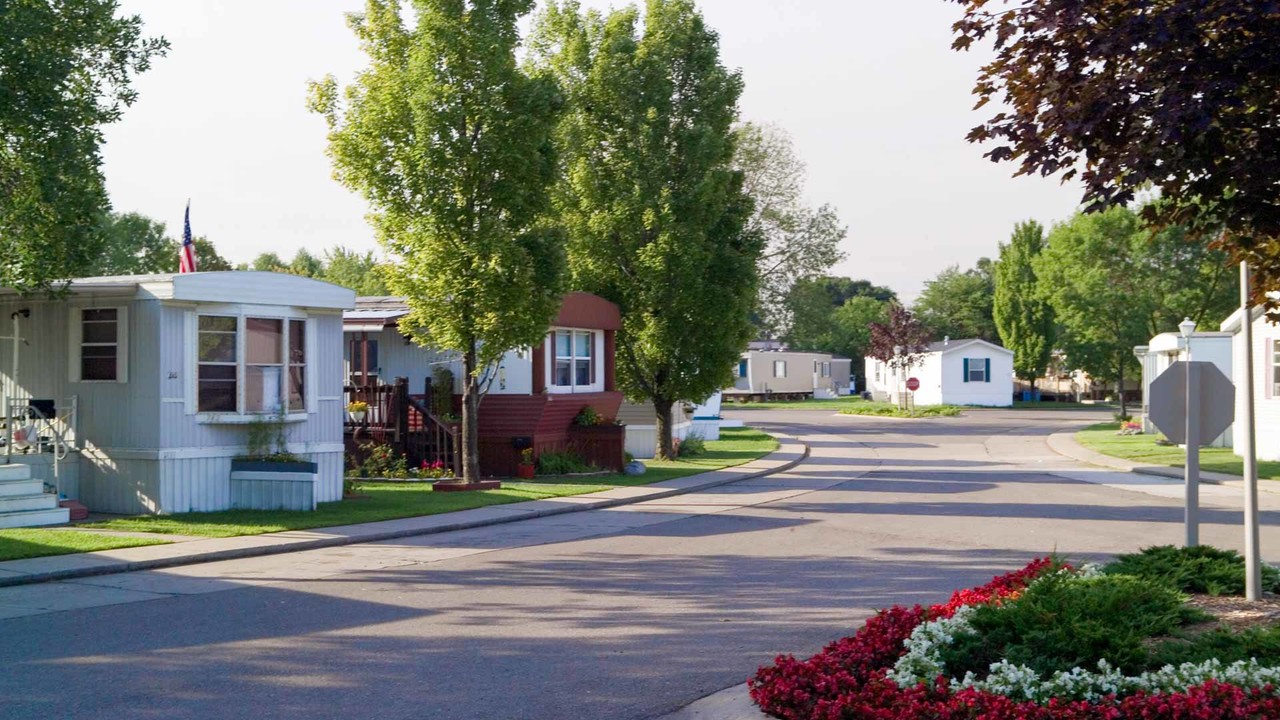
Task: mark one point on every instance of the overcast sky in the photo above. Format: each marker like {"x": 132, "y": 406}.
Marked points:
{"x": 877, "y": 103}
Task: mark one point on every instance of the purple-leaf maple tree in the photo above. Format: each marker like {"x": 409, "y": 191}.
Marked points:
{"x": 902, "y": 332}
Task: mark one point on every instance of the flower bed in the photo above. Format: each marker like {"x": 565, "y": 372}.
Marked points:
{"x": 1047, "y": 642}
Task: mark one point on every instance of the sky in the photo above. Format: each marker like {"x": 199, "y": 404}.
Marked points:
{"x": 877, "y": 104}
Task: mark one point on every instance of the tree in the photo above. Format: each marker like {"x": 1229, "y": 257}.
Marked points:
{"x": 851, "y": 331}
{"x": 269, "y": 262}
{"x": 1125, "y": 94}
{"x": 357, "y": 271}
{"x": 1021, "y": 313}
{"x": 900, "y": 339}
{"x": 812, "y": 302}
{"x": 451, "y": 143}
{"x": 654, "y": 208}
{"x": 306, "y": 264}
{"x": 959, "y": 304}
{"x": 66, "y": 68}
{"x": 207, "y": 257}
{"x": 800, "y": 242}
{"x": 134, "y": 245}
{"x": 1113, "y": 286}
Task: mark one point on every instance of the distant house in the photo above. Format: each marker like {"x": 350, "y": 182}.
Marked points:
{"x": 1167, "y": 348}
{"x": 1266, "y": 377}
{"x": 534, "y": 393}
{"x": 952, "y": 372}
{"x": 133, "y": 394}
{"x": 789, "y": 373}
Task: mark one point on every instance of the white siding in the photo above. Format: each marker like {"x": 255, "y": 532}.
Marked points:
{"x": 997, "y": 391}
{"x": 398, "y": 358}
{"x": 1266, "y": 404}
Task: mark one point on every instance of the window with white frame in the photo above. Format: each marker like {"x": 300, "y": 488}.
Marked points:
{"x": 826, "y": 369}
{"x": 1275, "y": 368}
{"x": 250, "y": 365}
{"x": 101, "y": 345}
{"x": 779, "y": 368}
{"x": 574, "y": 365}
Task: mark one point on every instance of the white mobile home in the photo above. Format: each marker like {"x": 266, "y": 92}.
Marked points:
{"x": 154, "y": 380}
{"x": 1167, "y": 348}
{"x": 1266, "y": 377}
{"x": 952, "y": 372}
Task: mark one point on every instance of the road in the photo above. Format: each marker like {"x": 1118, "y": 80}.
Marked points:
{"x": 625, "y": 613}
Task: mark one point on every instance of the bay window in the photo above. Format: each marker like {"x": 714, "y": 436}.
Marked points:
{"x": 250, "y": 365}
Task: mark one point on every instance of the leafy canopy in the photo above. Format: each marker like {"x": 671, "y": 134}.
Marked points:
{"x": 1182, "y": 95}
{"x": 653, "y": 205}
{"x": 66, "y": 68}
{"x": 1022, "y": 315}
{"x": 451, "y": 144}
{"x": 958, "y": 304}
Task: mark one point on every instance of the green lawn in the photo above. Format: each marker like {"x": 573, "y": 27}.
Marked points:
{"x": 851, "y": 405}
{"x": 884, "y": 409}
{"x": 1143, "y": 449}
{"x": 18, "y": 543}
{"x": 1034, "y": 405}
{"x": 388, "y": 501}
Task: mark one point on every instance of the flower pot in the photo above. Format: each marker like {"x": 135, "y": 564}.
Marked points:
{"x": 525, "y": 471}
{"x": 357, "y": 416}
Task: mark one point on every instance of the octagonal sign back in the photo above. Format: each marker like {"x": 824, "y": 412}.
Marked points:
{"x": 1167, "y": 407}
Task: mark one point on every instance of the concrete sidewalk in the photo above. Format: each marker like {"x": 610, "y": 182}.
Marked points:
{"x": 108, "y": 562}
{"x": 1066, "y": 444}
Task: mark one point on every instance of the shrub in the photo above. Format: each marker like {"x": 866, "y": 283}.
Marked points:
{"x": 1063, "y": 621}
{"x": 381, "y": 460}
{"x": 442, "y": 392}
{"x": 588, "y": 417}
{"x": 692, "y": 446}
{"x": 1262, "y": 644}
{"x": 562, "y": 463}
{"x": 1201, "y": 569}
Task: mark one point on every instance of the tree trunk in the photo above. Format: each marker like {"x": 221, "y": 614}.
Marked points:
{"x": 1120, "y": 391}
{"x": 470, "y": 418}
{"x": 666, "y": 441}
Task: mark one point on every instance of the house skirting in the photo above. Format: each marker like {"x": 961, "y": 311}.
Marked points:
{"x": 147, "y": 481}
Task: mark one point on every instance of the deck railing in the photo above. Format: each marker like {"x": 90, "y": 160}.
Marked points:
{"x": 406, "y": 422}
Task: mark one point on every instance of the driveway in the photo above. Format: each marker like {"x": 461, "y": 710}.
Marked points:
{"x": 624, "y": 613}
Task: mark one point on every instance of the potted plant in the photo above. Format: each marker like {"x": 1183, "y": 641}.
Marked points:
{"x": 356, "y": 410}
{"x": 268, "y": 476}
{"x": 527, "y": 464}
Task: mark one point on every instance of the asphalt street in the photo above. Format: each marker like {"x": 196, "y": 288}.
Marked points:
{"x": 625, "y": 613}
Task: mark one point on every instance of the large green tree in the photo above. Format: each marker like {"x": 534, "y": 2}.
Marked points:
{"x": 134, "y": 244}
{"x": 1022, "y": 314}
{"x": 359, "y": 271}
{"x": 800, "y": 242}
{"x": 654, "y": 207}
{"x": 851, "y": 331}
{"x": 1125, "y": 94}
{"x": 958, "y": 303}
{"x": 1113, "y": 284}
{"x": 811, "y": 304}
{"x": 451, "y": 143}
{"x": 66, "y": 68}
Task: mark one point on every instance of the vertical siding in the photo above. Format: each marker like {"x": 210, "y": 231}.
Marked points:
{"x": 119, "y": 486}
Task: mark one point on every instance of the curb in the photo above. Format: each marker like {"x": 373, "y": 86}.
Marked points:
{"x": 321, "y": 543}
{"x": 1065, "y": 444}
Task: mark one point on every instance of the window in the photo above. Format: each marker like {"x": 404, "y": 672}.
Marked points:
{"x": 779, "y": 368}
{"x": 1275, "y": 368}
{"x": 826, "y": 369}
{"x": 976, "y": 369}
{"x": 742, "y": 368}
{"x": 575, "y": 359}
{"x": 877, "y": 371}
{"x": 99, "y": 344}
{"x": 216, "y": 364}
{"x": 250, "y": 365}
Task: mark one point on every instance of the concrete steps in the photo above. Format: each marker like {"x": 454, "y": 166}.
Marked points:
{"x": 23, "y": 501}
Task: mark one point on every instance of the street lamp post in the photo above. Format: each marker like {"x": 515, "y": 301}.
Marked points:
{"x": 1192, "y": 475}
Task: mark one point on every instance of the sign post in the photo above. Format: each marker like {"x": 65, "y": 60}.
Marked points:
{"x": 913, "y": 384}
{"x": 1248, "y": 448}
{"x": 1191, "y": 401}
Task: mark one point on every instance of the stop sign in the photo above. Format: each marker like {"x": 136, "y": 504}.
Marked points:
{"x": 1215, "y": 404}
{"x": 913, "y": 384}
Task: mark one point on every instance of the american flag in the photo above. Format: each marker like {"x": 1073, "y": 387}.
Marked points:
{"x": 187, "y": 259}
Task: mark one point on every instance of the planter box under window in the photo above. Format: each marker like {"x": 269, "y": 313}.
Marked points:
{"x": 262, "y": 485}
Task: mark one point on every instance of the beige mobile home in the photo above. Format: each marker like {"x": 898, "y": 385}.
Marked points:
{"x": 788, "y": 373}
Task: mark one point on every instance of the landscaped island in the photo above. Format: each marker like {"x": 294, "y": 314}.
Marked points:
{"x": 1158, "y": 635}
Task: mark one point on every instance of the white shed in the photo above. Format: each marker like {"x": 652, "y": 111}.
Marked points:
{"x": 1168, "y": 348}
{"x": 1266, "y": 376}
{"x": 953, "y": 372}
{"x": 151, "y": 382}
